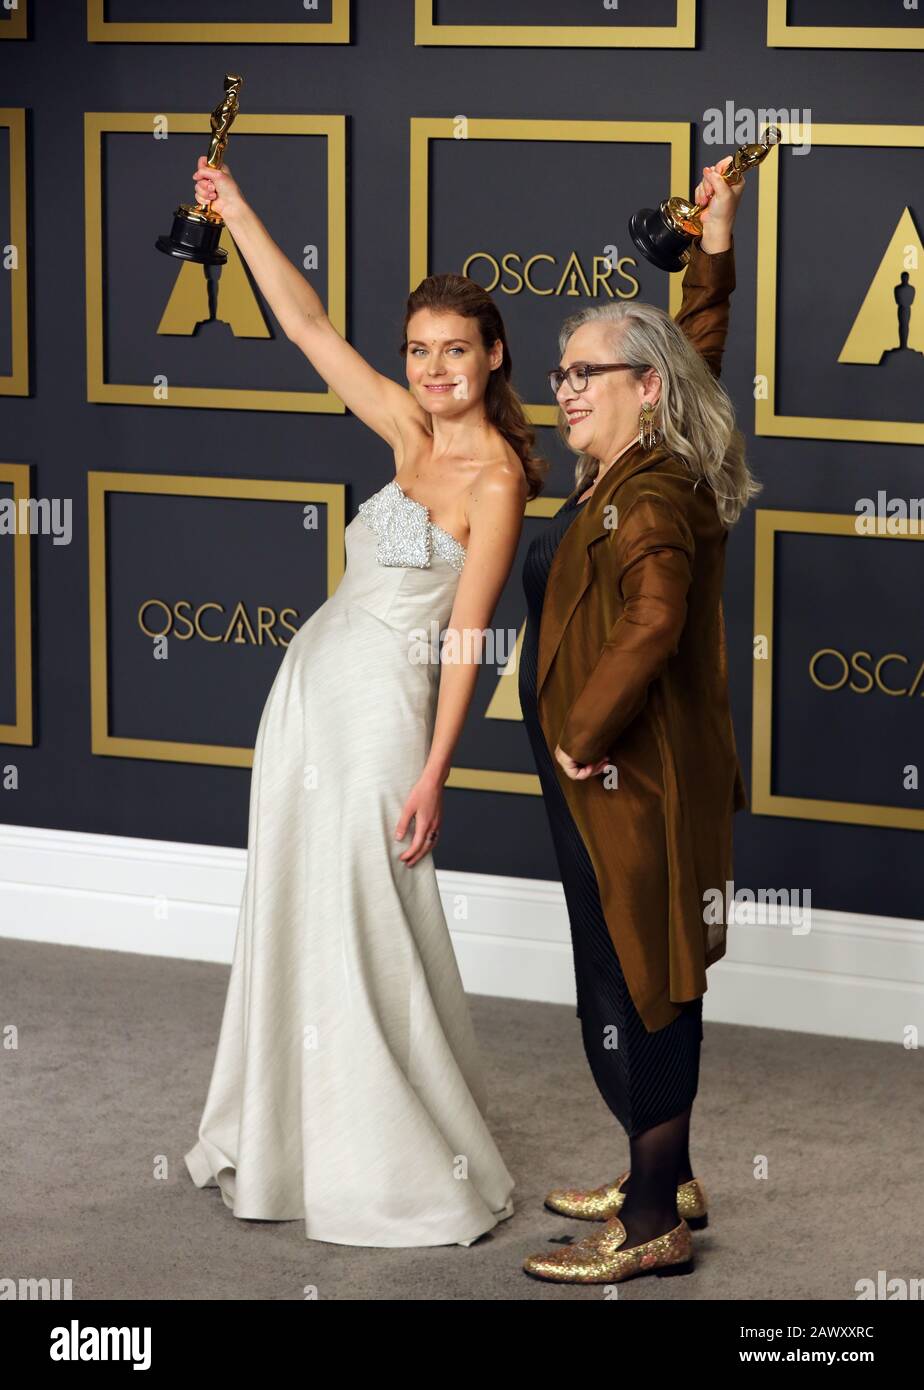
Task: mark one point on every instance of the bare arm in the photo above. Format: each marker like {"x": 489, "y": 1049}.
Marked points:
{"x": 495, "y": 521}
{"x": 382, "y": 404}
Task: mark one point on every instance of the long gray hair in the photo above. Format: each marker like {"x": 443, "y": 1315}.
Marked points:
{"x": 694, "y": 414}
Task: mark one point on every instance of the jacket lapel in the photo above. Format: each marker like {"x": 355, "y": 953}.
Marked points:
{"x": 569, "y": 576}
{"x": 572, "y": 566}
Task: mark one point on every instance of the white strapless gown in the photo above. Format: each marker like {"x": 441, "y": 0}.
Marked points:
{"x": 347, "y": 1088}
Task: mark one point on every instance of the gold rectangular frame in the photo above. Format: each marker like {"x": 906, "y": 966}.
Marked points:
{"x": 17, "y": 26}
{"x": 764, "y": 801}
{"x": 682, "y": 34}
{"x": 675, "y": 134}
{"x": 782, "y": 34}
{"x": 102, "y": 30}
{"x": 98, "y": 123}
{"x": 766, "y": 419}
{"x": 17, "y": 382}
{"x": 22, "y": 731}
{"x": 99, "y": 485}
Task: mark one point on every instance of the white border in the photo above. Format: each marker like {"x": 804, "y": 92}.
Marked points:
{"x": 853, "y": 975}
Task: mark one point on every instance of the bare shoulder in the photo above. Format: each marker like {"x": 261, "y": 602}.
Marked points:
{"x": 495, "y": 505}
{"x": 499, "y": 483}
{"x": 496, "y": 501}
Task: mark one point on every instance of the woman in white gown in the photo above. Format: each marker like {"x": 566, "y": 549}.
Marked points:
{"x": 347, "y": 1087}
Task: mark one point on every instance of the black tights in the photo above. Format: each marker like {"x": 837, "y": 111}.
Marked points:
{"x": 659, "y": 1161}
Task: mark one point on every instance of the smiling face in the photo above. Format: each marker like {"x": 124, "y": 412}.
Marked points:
{"x": 446, "y": 363}
{"x": 603, "y": 418}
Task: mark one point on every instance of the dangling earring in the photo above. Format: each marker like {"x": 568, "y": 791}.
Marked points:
{"x": 648, "y": 436}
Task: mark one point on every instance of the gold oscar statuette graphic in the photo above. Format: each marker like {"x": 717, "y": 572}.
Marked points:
{"x": 665, "y": 234}
{"x": 196, "y": 229}
{"x": 888, "y": 321}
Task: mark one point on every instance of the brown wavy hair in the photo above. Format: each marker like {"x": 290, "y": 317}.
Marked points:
{"x": 457, "y": 294}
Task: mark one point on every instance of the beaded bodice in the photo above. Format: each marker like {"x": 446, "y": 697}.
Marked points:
{"x": 406, "y": 534}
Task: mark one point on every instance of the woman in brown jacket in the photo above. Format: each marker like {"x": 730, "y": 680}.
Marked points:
{"x": 624, "y": 694}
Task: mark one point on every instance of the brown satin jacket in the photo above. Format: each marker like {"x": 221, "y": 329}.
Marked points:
{"x": 632, "y": 667}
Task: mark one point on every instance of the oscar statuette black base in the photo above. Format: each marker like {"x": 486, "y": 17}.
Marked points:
{"x": 193, "y": 239}
{"x": 658, "y": 241}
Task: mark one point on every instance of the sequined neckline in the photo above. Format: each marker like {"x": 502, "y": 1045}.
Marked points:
{"x": 442, "y": 530}
{"x": 407, "y": 536}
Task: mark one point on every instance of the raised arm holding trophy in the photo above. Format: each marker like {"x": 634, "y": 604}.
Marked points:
{"x": 665, "y": 234}
{"x": 196, "y": 229}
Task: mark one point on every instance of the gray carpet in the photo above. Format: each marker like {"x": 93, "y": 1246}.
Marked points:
{"x": 113, "y": 1061}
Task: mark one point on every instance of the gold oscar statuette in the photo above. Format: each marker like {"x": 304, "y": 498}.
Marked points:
{"x": 196, "y": 229}
{"x": 665, "y": 234}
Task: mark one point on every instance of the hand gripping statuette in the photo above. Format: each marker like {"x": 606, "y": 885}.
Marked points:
{"x": 196, "y": 229}
{"x": 665, "y": 234}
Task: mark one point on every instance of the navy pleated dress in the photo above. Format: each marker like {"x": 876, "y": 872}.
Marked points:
{"x": 645, "y": 1078}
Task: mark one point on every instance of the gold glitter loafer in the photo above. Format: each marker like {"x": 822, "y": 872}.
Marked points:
{"x": 602, "y": 1259}
{"x": 603, "y": 1203}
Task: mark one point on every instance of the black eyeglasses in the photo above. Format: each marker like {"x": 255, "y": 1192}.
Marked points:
{"x": 578, "y": 375}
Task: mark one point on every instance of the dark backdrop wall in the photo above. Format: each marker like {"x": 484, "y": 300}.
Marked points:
{"x": 839, "y": 208}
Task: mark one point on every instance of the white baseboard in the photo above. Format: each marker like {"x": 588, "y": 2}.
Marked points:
{"x": 852, "y": 975}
